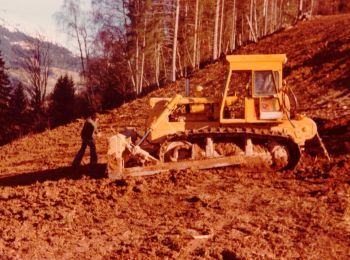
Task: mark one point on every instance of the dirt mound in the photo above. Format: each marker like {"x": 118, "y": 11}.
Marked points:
{"x": 49, "y": 210}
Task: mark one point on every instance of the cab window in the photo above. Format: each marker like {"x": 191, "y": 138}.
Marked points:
{"x": 264, "y": 83}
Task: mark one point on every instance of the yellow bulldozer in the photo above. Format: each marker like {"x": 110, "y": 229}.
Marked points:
{"x": 252, "y": 122}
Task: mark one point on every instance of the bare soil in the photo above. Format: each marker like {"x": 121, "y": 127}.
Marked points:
{"x": 49, "y": 210}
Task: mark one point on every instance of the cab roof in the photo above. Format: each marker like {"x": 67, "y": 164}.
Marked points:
{"x": 257, "y": 62}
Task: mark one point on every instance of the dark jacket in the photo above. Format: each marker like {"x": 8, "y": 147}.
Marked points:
{"x": 90, "y": 126}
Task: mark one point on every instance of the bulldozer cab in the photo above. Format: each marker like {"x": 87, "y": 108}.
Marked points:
{"x": 252, "y": 91}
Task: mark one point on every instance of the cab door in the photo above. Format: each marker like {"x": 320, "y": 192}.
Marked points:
{"x": 265, "y": 90}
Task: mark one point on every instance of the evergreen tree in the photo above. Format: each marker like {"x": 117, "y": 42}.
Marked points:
{"x": 63, "y": 101}
{"x": 4, "y": 102}
{"x": 111, "y": 97}
{"x": 15, "y": 119}
{"x": 18, "y": 103}
{"x": 4, "y": 86}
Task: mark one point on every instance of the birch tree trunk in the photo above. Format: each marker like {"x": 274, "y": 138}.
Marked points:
{"x": 195, "y": 35}
{"x": 157, "y": 63}
{"x": 281, "y": 14}
{"x": 275, "y": 15}
{"x": 251, "y": 19}
{"x": 266, "y": 5}
{"x": 173, "y": 75}
{"x": 143, "y": 58}
{"x": 242, "y": 29}
{"x": 233, "y": 33}
{"x": 164, "y": 64}
{"x": 312, "y": 7}
{"x": 256, "y": 21}
{"x": 221, "y": 27}
{"x": 216, "y": 30}
{"x": 252, "y": 30}
{"x": 198, "y": 56}
{"x": 300, "y": 9}
{"x": 132, "y": 75}
{"x": 272, "y": 21}
{"x": 137, "y": 72}
{"x": 179, "y": 62}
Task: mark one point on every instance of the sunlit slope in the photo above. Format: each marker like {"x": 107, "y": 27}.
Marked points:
{"x": 318, "y": 70}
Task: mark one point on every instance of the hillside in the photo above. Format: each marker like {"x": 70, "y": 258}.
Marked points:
{"x": 49, "y": 210}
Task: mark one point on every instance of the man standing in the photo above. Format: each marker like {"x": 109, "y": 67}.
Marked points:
{"x": 90, "y": 126}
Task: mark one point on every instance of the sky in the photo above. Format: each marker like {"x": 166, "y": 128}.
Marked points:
{"x": 33, "y": 17}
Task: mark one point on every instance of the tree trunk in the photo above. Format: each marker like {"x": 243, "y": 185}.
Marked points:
{"x": 132, "y": 75}
{"x": 266, "y": 6}
{"x": 137, "y": 72}
{"x": 179, "y": 62}
{"x": 81, "y": 52}
{"x": 242, "y": 29}
{"x": 164, "y": 64}
{"x": 312, "y": 7}
{"x": 198, "y": 56}
{"x": 281, "y": 14}
{"x": 195, "y": 35}
{"x": 256, "y": 21}
{"x": 143, "y": 58}
{"x": 275, "y": 15}
{"x": 216, "y": 30}
{"x": 252, "y": 30}
{"x": 221, "y": 27}
{"x": 272, "y": 11}
{"x": 157, "y": 63}
{"x": 251, "y": 18}
{"x": 233, "y": 33}
{"x": 173, "y": 76}
{"x": 300, "y": 9}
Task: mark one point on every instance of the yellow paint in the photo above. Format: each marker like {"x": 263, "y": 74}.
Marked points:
{"x": 178, "y": 114}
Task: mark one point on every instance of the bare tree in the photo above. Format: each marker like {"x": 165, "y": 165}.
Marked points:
{"x": 177, "y": 15}
{"x": 216, "y": 30}
{"x": 140, "y": 87}
{"x": 195, "y": 41}
{"x": 234, "y": 21}
{"x": 74, "y": 22}
{"x": 36, "y": 61}
{"x": 152, "y": 41}
{"x": 313, "y": 7}
{"x": 300, "y": 9}
{"x": 220, "y": 42}
{"x": 265, "y": 11}
{"x": 250, "y": 20}
{"x": 5, "y": 89}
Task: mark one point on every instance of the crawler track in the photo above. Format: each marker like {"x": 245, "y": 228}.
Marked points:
{"x": 229, "y": 134}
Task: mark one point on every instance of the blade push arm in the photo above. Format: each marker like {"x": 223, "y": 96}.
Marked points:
{"x": 169, "y": 108}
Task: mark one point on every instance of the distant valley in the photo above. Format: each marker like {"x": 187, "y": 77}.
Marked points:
{"x": 63, "y": 60}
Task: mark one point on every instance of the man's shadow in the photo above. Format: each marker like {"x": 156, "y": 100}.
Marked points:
{"x": 72, "y": 173}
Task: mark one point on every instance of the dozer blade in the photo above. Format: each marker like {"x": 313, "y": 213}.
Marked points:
{"x": 193, "y": 165}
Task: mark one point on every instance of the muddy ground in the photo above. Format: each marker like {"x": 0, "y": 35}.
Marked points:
{"x": 49, "y": 210}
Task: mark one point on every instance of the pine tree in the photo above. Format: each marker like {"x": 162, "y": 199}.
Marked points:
{"x": 18, "y": 103}
{"x": 63, "y": 99}
{"x": 4, "y": 86}
{"x": 4, "y": 102}
{"x": 16, "y": 116}
{"x": 111, "y": 97}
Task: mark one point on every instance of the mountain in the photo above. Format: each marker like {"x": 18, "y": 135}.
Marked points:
{"x": 63, "y": 60}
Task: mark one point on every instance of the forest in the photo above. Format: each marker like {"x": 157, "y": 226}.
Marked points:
{"x": 128, "y": 48}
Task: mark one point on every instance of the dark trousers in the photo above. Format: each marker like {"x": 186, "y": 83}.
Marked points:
{"x": 80, "y": 154}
